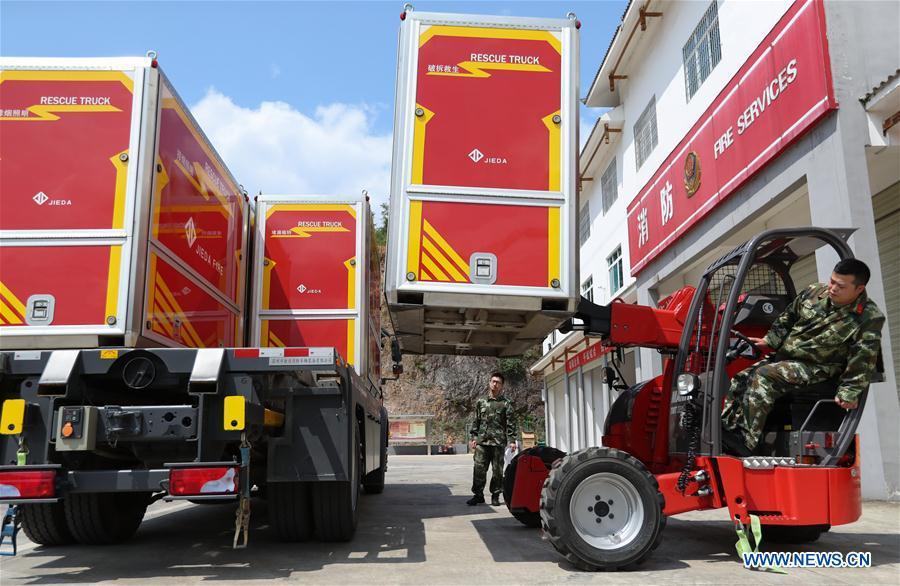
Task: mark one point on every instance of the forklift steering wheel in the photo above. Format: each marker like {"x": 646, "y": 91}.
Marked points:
{"x": 735, "y": 351}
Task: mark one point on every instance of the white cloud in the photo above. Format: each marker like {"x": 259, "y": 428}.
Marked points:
{"x": 275, "y": 148}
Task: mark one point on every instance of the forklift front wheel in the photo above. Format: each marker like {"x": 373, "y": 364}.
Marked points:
{"x": 602, "y": 509}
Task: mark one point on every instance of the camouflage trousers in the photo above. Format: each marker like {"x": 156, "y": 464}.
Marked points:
{"x": 488, "y": 456}
{"x": 754, "y": 390}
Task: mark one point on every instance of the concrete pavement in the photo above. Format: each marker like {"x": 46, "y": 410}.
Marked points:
{"x": 421, "y": 532}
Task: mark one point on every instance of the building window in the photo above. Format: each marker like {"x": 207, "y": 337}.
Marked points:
{"x": 702, "y": 52}
{"x": 645, "y": 133}
{"x": 614, "y": 262}
{"x": 584, "y": 224}
{"x": 608, "y": 188}
{"x": 587, "y": 289}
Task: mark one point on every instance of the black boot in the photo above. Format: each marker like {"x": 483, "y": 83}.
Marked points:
{"x": 475, "y": 500}
{"x": 733, "y": 443}
{"x": 495, "y": 500}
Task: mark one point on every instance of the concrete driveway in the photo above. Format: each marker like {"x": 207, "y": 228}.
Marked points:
{"x": 420, "y": 531}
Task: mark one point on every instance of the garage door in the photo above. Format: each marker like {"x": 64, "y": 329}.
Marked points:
{"x": 886, "y": 206}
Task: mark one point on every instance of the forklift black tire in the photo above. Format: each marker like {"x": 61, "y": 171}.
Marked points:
{"x": 793, "y": 533}
{"x": 105, "y": 518}
{"x": 545, "y": 453}
{"x": 45, "y": 523}
{"x": 373, "y": 482}
{"x": 289, "y": 510}
{"x": 335, "y": 505}
{"x": 595, "y": 486}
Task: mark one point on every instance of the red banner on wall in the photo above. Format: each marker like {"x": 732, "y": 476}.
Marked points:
{"x": 586, "y": 356}
{"x": 780, "y": 92}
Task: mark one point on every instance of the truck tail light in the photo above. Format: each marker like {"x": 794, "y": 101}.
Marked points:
{"x": 32, "y": 484}
{"x": 198, "y": 481}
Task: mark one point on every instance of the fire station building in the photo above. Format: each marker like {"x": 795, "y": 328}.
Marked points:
{"x": 724, "y": 118}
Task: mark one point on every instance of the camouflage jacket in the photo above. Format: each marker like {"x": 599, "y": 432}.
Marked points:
{"x": 846, "y": 339}
{"x": 494, "y": 423}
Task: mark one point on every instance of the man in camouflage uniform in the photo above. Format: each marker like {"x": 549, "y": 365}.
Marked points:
{"x": 493, "y": 429}
{"x": 829, "y": 332}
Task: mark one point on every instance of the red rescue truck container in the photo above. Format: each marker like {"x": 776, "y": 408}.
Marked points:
{"x": 316, "y": 278}
{"x": 119, "y": 223}
{"x": 482, "y": 252}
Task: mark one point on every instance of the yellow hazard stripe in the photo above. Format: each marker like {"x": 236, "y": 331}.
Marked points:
{"x": 71, "y": 75}
{"x": 553, "y": 244}
{"x": 434, "y": 269}
{"x": 442, "y": 260}
{"x": 112, "y": 281}
{"x": 8, "y": 314}
{"x": 351, "y": 283}
{"x": 418, "y": 163}
{"x": 11, "y": 298}
{"x": 553, "y": 149}
{"x": 415, "y": 237}
{"x": 118, "y": 219}
{"x": 311, "y": 207}
{"x": 445, "y": 246}
{"x": 490, "y": 33}
{"x": 351, "y": 341}
{"x": 275, "y": 341}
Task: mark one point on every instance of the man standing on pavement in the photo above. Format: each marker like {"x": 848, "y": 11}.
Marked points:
{"x": 829, "y": 333}
{"x": 493, "y": 430}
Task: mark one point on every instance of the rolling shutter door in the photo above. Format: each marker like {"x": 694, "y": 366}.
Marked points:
{"x": 886, "y": 206}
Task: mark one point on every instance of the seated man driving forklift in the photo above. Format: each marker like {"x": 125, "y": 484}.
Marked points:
{"x": 829, "y": 333}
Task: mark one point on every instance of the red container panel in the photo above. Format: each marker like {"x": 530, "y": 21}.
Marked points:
{"x": 310, "y": 257}
{"x": 198, "y": 211}
{"x": 83, "y": 280}
{"x": 63, "y": 135}
{"x": 485, "y": 105}
{"x": 183, "y": 312}
{"x": 444, "y": 235}
{"x": 287, "y": 333}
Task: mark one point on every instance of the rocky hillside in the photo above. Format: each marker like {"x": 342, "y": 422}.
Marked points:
{"x": 447, "y": 387}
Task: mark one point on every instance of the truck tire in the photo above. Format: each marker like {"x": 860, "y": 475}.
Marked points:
{"x": 545, "y": 453}
{"x": 45, "y": 523}
{"x": 105, "y": 518}
{"x": 793, "y": 533}
{"x": 289, "y": 511}
{"x": 373, "y": 483}
{"x": 602, "y": 509}
{"x": 335, "y": 505}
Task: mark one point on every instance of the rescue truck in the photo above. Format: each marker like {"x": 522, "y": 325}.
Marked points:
{"x": 125, "y": 260}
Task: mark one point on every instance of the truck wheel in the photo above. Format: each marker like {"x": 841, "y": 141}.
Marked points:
{"x": 45, "y": 523}
{"x": 105, "y": 518}
{"x": 793, "y": 533}
{"x": 545, "y": 453}
{"x": 289, "y": 510}
{"x": 335, "y": 505}
{"x": 602, "y": 509}
{"x": 373, "y": 483}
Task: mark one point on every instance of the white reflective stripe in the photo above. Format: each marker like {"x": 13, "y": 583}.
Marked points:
{"x": 270, "y": 352}
{"x": 9, "y": 491}
{"x": 321, "y": 351}
{"x": 223, "y": 484}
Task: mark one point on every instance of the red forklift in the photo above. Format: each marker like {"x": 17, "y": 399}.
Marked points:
{"x": 604, "y": 508}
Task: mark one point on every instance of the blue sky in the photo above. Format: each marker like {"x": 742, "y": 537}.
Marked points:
{"x": 326, "y": 67}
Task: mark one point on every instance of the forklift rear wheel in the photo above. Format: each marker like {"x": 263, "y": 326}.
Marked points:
{"x": 45, "y": 523}
{"x": 793, "y": 533}
{"x": 602, "y": 509}
{"x": 545, "y": 453}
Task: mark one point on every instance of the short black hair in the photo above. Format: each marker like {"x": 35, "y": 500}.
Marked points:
{"x": 855, "y": 267}
{"x": 499, "y": 375}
